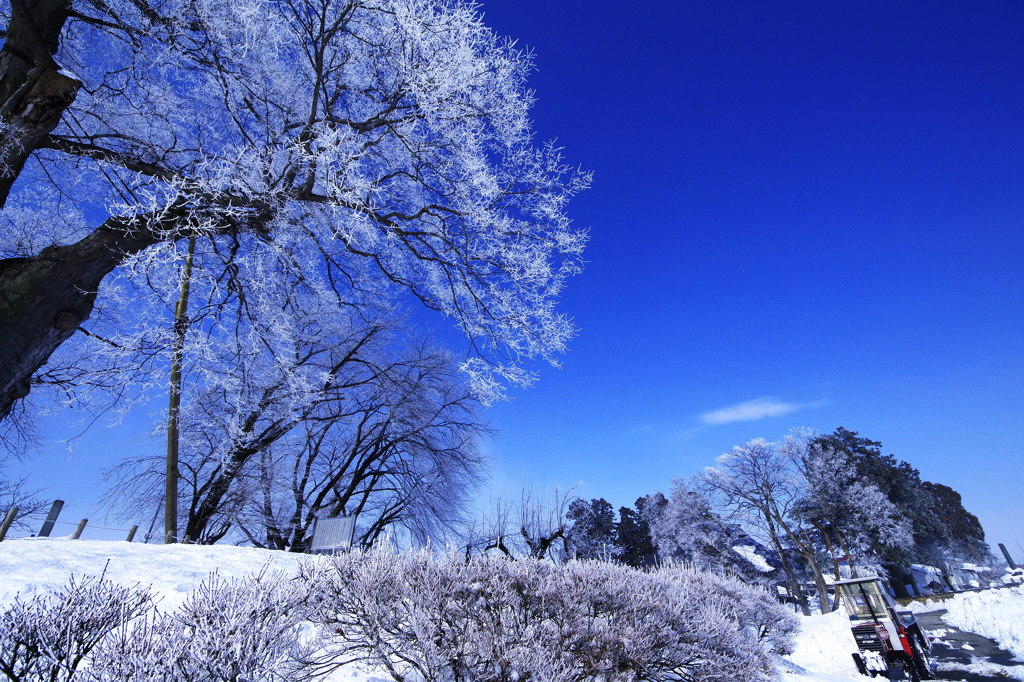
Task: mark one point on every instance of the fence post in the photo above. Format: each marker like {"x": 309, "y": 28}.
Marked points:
{"x": 131, "y": 534}
{"x": 51, "y": 518}
{"x": 81, "y": 527}
{"x": 1009, "y": 559}
{"x": 8, "y": 520}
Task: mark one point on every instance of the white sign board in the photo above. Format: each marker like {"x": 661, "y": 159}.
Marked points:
{"x": 331, "y": 535}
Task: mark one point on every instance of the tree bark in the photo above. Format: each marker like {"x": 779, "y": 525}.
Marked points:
{"x": 44, "y": 298}
{"x": 34, "y": 91}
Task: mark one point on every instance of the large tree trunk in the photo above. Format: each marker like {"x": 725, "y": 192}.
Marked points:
{"x": 44, "y": 299}
{"x": 34, "y": 91}
{"x": 806, "y": 550}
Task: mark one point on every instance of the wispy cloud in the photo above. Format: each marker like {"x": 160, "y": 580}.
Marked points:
{"x": 751, "y": 410}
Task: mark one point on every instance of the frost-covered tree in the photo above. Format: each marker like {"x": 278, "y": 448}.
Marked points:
{"x": 399, "y": 453}
{"x": 592, "y": 533}
{"x": 392, "y": 136}
{"x": 853, "y": 516}
{"x": 321, "y": 413}
{"x": 684, "y": 528}
{"x": 902, "y": 485}
{"x": 758, "y": 484}
{"x": 535, "y": 525}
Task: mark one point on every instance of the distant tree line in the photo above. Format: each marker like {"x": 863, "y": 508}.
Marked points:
{"x": 803, "y": 511}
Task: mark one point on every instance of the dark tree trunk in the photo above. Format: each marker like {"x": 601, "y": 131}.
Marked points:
{"x": 34, "y": 91}
{"x": 794, "y": 584}
{"x": 44, "y": 299}
{"x": 198, "y": 522}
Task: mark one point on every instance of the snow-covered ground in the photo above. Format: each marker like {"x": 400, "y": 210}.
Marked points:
{"x": 32, "y": 566}
{"x": 38, "y": 566}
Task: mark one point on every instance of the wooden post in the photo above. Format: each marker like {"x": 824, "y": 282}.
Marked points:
{"x": 8, "y": 520}
{"x": 131, "y": 534}
{"x": 174, "y": 400}
{"x": 1009, "y": 559}
{"x": 81, "y": 527}
{"x": 51, "y": 518}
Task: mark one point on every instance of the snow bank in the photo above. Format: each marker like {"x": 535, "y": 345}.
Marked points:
{"x": 982, "y": 668}
{"x": 823, "y": 651}
{"x": 755, "y": 559}
{"x": 925, "y": 606}
{"x": 996, "y": 614}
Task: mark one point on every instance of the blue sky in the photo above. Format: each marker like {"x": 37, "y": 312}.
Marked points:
{"x": 803, "y": 214}
{"x": 810, "y": 208}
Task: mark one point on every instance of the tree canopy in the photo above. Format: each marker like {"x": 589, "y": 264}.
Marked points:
{"x": 384, "y": 145}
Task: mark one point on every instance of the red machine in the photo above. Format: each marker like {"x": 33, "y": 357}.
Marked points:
{"x": 891, "y": 642}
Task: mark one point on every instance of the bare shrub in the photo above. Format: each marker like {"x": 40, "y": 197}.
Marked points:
{"x": 49, "y": 637}
{"x": 228, "y": 629}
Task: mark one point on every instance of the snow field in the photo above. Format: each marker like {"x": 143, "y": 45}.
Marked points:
{"x": 38, "y": 566}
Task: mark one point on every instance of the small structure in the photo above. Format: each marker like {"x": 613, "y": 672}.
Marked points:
{"x": 333, "y": 535}
{"x": 928, "y": 580}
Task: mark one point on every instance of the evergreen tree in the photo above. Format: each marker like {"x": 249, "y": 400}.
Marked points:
{"x": 964, "y": 535}
{"x": 633, "y": 536}
{"x": 592, "y": 534}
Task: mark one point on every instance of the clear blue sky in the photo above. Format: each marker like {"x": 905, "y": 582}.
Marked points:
{"x": 819, "y": 203}
{"x": 814, "y": 205}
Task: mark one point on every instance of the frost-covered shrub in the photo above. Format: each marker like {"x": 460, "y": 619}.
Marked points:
{"x": 228, "y": 629}
{"x": 753, "y": 607}
{"x": 491, "y": 619}
{"x": 50, "y": 637}
{"x": 418, "y": 616}
{"x": 675, "y": 624}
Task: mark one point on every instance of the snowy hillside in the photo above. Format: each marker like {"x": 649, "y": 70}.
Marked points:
{"x": 41, "y": 566}
{"x": 38, "y": 566}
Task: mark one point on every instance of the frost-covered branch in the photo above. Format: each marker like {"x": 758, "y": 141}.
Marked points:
{"x": 394, "y": 135}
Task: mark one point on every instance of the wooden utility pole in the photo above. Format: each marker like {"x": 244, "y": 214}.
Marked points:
{"x": 174, "y": 402}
